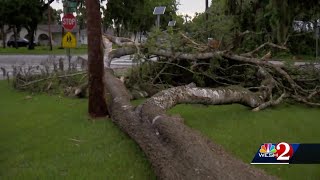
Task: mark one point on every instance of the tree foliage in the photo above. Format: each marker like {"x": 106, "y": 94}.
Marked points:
{"x": 54, "y": 15}
{"x": 136, "y": 16}
{"x": 23, "y": 13}
{"x": 266, "y": 20}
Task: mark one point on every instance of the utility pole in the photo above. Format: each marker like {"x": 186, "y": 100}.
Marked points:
{"x": 207, "y": 7}
{"x": 97, "y": 100}
{"x": 159, "y": 11}
{"x": 158, "y": 21}
{"x": 317, "y": 41}
{"x": 207, "y": 17}
{"x": 186, "y": 18}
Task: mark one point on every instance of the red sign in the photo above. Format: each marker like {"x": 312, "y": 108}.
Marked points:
{"x": 69, "y": 22}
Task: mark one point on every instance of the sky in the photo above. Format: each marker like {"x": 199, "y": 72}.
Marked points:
{"x": 189, "y": 7}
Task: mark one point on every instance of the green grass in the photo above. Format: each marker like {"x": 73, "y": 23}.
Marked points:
{"x": 295, "y": 58}
{"x": 241, "y": 132}
{"x": 35, "y": 136}
{"x": 43, "y": 50}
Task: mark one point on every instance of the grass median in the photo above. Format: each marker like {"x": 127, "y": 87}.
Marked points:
{"x": 42, "y": 50}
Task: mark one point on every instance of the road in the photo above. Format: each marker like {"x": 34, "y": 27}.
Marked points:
{"x": 8, "y": 61}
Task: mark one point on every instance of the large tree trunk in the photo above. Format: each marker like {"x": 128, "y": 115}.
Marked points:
{"x": 175, "y": 150}
{"x": 97, "y": 103}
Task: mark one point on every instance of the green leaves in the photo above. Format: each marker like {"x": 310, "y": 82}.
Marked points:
{"x": 136, "y": 15}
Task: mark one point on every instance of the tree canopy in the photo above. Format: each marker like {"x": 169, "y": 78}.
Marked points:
{"x": 262, "y": 20}
{"x": 137, "y": 16}
{"x": 23, "y": 13}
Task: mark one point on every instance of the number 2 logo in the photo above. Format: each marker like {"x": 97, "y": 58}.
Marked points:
{"x": 285, "y": 151}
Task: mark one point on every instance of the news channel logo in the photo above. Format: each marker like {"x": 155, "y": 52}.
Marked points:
{"x": 270, "y": 153}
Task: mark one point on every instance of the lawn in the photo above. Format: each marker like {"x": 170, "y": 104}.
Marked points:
{"x": 39, "y": 50}
{"x": 48, "y": 137}
{"x": 241, "y": 132}
{"x": 51, "y": 137}
{"x": 295, "y": 58}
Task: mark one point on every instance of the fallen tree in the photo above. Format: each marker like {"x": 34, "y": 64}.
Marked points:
{"x": 176, "y": 151}
{"x": 199, "y": 63}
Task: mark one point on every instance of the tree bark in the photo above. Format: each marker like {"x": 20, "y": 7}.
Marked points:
{"x": 175, "y": 150}
{"x": 31, "y": 32}
{"x": 97, "y": 102}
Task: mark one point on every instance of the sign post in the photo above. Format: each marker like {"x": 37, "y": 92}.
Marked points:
{"x": 159, "y": 11}
{"x": 171, "y": 23}
{"x": 69, "y": 22}
{"x": 69, "y": 40}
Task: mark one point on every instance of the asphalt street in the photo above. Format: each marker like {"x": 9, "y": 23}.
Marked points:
{"x": 9, "y": 61}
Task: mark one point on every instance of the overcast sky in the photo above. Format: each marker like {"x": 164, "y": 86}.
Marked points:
{"x": 186, "y": 6}
{"x": 191, "y": 6}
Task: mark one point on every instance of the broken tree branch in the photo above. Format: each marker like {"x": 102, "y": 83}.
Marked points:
{"x": 174, "y": 150}
{"x": 250, "y": 54}
{"x": 270, "y": 103}
{"x": 51, "y": 77}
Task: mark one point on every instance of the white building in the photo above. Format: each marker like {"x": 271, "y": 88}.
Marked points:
{"x": 42, "y": 35}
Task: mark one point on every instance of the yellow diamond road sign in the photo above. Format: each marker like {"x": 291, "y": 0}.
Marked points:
{"x": 69, "y": 40}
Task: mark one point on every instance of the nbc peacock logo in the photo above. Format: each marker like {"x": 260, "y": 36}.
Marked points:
{"x": 268, "y": 150}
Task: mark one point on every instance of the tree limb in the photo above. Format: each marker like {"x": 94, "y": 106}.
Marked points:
{"x": 270, "y": 103}
{"x": 174, "y": 150}
{"x": 51, "y": 77}
{"x": 249, "y": 54}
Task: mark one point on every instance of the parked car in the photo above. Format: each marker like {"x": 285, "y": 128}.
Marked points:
{"x": 22, "y": 42}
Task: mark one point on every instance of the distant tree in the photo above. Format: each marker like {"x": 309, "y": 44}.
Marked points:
{"x": 33, "y": 11}
{"x": 271, "y": 20}
{"x": 58, "y": 16}
{"x": 12, "y": 17}
{"x": 2, "y": 23}
{"x": 54, "y": 15}
{"x": 136, "y": 16}
{"x": 24, "y": 13}
{"x": 82, "y": 16}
